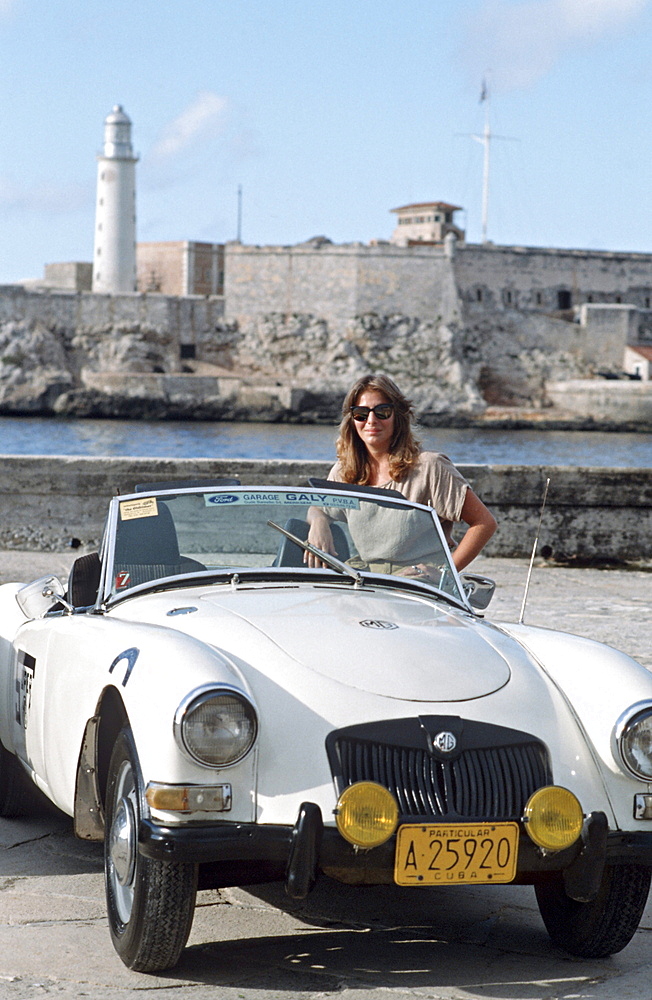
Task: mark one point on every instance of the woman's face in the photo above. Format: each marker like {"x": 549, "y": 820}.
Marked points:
{"x": 377, "y": 434}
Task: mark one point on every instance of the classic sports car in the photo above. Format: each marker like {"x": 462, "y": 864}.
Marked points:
{"x": 221, "y": 713}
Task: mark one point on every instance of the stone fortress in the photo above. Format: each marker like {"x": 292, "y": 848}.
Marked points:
{"x": 473, "y": 332}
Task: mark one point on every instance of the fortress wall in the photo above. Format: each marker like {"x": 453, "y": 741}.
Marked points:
{"x": 528, "y": 270}
{"x": 336, "y": 283}
{"x": 596, "y": 513}
{"x": 608, "y": 329}
{"x": 77, "y": 310}
{"x": 413, "y": 281}
{"x": 317, "y": 280}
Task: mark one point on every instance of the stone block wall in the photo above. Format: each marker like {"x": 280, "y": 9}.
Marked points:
{"x": 497, "y": 277}
{"x": 592, "y": 514}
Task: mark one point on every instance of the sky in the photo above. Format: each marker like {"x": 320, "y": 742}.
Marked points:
{"x": 327, "y": 114}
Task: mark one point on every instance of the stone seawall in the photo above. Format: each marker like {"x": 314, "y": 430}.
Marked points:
{"x": 593, "y": 514}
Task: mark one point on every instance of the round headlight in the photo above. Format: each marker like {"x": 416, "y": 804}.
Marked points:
{"x": 553, "y": 818}
{"x": 366, "y": 814}
{"x": 216, "y": 727}
{"x": 635, "y": 744}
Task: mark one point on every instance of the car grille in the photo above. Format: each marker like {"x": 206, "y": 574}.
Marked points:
{"x": 488, "y": 783}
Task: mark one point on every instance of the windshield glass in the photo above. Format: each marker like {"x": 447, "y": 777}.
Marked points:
{"x": 219, "y": 530}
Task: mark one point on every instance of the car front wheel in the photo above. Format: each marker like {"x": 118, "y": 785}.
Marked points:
{"x": 606, "y": 924}
{"x": 150, "y": 903}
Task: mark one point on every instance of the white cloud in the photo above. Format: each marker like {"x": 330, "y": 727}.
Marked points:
{"x": 203, "y": 118}
{"x": 522, "y": 41}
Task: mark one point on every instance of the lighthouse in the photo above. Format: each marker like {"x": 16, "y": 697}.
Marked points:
{"x": 114, "y": 255}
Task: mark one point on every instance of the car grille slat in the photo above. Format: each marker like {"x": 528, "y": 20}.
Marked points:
{"x": 491, "y": 782}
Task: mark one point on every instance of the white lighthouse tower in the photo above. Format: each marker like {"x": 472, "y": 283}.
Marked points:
{"x": 114, "y": 255}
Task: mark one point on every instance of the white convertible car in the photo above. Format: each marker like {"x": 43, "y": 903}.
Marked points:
{"x": 220, "y": 713}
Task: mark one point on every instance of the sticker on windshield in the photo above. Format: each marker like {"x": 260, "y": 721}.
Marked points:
{"x": 132, "y": 509}
{"x": 297, "y": 499}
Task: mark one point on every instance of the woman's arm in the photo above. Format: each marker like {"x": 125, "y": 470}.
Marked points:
{"x": 481, "y": 526}
{"x": 319, "y": 535}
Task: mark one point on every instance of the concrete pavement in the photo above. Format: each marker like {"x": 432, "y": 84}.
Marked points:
{"x": 375, "y": 943}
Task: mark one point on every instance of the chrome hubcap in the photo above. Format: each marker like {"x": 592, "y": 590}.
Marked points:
{"x": 123, "y": 844}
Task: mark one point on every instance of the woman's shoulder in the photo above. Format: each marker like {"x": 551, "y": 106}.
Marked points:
{"x": 436, "y": 463}
{"x": 432, "y": 458}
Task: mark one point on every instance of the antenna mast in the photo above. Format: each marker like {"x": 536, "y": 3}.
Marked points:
{"x": 485, "y": 140}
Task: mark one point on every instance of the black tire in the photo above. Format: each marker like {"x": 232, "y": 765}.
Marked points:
{"x": 14, "y": 785}
{"x": 605, "y": 925}
{"x": 150, "y": 903}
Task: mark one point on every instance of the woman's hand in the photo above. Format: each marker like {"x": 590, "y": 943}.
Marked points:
{"x": 320, "y": 536}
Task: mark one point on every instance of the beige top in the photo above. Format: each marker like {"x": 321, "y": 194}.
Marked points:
{"x": 434, "y": 481}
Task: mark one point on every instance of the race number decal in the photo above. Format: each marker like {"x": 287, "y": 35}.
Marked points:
{"x": 25, "y": 669}
{"x": 122, "y": 579}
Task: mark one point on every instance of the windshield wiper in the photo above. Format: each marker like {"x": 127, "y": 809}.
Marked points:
{"x": 325, "y": 557}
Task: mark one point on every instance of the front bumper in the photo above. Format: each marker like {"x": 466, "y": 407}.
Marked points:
{"x": 301, "y": 852}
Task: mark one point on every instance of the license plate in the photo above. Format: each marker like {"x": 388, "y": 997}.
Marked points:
{"x": 456, "y": 853}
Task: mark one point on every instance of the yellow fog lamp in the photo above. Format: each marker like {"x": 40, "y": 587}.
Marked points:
{"x": 553, "y": 818}
{"x": 366, "y": 814}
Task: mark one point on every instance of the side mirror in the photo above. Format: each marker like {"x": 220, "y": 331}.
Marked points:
{"x": 37, "y": 598}
{"x": 478, "y": 589}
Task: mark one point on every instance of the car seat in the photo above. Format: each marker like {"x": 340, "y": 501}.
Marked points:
{"x": 147, "y": 548}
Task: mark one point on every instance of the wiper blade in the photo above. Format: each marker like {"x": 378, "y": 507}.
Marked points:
{"x": 325, "y": 557}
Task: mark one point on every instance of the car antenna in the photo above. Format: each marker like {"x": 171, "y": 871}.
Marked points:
{"x": 534, "y": 549}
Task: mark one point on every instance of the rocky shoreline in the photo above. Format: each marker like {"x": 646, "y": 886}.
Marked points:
{"x": 157, "y": 358}
{"x": 265, "y": 405}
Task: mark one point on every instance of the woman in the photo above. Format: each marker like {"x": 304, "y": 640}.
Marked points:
{"x": 376, "y": 447}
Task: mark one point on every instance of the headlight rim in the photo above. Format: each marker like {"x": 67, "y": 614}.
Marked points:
{"x": 624, "y": 721}
{"x": 203, "y": 693}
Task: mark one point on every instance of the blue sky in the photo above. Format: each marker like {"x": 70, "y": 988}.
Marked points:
{"x": 329, "y": 113}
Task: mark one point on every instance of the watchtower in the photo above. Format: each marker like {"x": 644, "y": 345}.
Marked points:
{"x": 425, "y": 222}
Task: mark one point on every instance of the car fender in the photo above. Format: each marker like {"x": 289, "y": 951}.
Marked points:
{"x": 153, "y": 669}
{"x": 599, "y": 684}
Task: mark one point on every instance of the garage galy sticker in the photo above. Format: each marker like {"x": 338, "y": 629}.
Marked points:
{"x": 297, "y": 499}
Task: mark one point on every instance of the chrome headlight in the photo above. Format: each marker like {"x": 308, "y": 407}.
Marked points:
{"x": 216, "y": 726}
{"x": 633, "y": 737}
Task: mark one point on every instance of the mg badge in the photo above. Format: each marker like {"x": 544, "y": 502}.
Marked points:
{"x": 445, "y": 742}
{"x": 377, "y": 623}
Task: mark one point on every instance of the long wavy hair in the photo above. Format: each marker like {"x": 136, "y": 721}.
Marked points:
{"x": 351, "y": 450}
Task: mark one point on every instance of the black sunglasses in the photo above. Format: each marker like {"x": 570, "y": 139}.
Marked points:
{"x": 383, "y": 411}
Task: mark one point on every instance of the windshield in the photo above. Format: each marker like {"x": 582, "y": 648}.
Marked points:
{"x": 228, "y": 530}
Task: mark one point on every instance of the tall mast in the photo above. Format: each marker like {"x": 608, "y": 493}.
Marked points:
{"x": 485, "y": 139}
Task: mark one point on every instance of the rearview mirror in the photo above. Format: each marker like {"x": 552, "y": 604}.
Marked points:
{"x": 37, "y": 598}
{"x": 478, "y": 589}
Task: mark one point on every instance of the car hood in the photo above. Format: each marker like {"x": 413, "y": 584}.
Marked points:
{"x": 385, "y": 643}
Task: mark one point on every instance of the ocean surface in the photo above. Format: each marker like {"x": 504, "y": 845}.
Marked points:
{"x": 209, "y": 439}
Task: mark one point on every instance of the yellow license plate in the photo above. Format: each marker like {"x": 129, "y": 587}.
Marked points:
{"x": 456, "y": 853}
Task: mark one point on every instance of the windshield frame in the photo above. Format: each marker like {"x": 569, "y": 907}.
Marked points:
{"x": 276, "y": 575}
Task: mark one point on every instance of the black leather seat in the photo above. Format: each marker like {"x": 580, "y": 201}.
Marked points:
{"x": 147, "y": 548}
{"x": 84, "y": 580}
